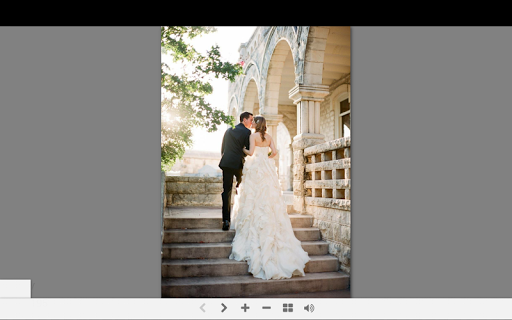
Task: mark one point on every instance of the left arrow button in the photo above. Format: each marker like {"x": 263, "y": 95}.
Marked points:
{"x": 201, "y": 307}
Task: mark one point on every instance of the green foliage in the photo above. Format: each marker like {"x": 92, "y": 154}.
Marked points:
{"x": 184, "y": 106}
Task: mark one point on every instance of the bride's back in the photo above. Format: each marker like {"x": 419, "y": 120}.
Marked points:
{"x": 259, "y": 142}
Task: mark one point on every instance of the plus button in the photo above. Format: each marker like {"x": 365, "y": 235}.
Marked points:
{"x": 245, "y": 307}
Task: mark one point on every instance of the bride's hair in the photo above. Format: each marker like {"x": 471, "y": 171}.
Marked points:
{"x": 261, "y": 126}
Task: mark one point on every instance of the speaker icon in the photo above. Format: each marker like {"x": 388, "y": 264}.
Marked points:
{"x": 309, "y": 308}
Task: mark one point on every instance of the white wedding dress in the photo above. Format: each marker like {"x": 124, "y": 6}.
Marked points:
{"x": 264, "y": 235}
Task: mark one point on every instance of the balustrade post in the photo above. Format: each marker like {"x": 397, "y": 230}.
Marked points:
{"x": 308, "y": 99}
{"x": 346, "y": 154}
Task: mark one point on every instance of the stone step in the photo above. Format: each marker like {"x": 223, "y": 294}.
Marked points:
{"x": 223, "y": 250}
{"x": 344, "y": 293}
{"x": 218, "y": 235}
{"x": 227, "y": 267}
{"x": 215, "y": 221}
{"x": 247, "y": 285}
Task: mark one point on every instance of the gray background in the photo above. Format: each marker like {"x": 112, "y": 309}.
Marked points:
{"x": 80, "y": 174}
{"x": 80, "y": 160}
{"x": 431, "y": 112}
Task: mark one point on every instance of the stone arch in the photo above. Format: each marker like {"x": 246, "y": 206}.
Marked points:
{"x": 280, "y": 64}
{"x": 280, "y": 80}
{"x": 233, "y": 109}
{"x": 278, "y": 74}
{"x": 250, "y": 82}
{"x": 250, "y": 99}
{"x": 275, "y": 36}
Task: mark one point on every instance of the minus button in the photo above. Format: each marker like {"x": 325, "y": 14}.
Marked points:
{"x": 266, "y": 307}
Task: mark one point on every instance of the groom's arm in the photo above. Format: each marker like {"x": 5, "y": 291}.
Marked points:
{"x": 248, "y": 142}
{"x": 252, "y": 142}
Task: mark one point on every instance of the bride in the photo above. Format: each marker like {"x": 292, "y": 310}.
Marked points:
{"x": 264, "y": 235}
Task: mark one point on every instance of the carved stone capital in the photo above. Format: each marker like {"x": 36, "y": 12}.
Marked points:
{"x": 308, "y": 92}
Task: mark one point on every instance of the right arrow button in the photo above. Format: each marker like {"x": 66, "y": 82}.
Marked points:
{"x": 224, "y": 307}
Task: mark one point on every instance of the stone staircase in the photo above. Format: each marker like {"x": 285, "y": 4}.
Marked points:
{"x": 195, "y": 259}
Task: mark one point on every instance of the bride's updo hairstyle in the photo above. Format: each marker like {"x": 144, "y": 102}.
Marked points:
{"x": 261, "y": 126}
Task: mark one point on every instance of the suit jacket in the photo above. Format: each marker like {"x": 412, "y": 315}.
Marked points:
{"x": 235, "y": 139}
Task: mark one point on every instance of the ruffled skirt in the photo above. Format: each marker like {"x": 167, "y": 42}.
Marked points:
{"x": 264, "y": 234}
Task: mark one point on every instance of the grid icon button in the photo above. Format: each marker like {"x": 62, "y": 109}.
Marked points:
{"x": 287, "y": 307}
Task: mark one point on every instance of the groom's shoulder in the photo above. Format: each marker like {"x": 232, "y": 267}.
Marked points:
{"x": 229, "y": 129}
{"x": 241, "y": 127}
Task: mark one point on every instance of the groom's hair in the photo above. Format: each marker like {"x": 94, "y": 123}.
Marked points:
{"x": 245, "y": 115}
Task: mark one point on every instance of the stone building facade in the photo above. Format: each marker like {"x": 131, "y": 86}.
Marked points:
{"x": 298, "y": 78}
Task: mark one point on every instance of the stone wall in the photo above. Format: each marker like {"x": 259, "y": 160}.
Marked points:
{"x": 163, "y": 191}
{"x": 334, "y": 225}
{"x": 328, "y": 113}
{"x": 327, "y": 185}
{"x": 193, "y": 191}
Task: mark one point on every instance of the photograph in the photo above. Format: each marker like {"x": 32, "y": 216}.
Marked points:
{"x": 255, "y": 162}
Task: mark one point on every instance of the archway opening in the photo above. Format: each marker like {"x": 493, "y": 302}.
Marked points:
{"x": 280, "y": 80}
{"x": 285, "y": 158}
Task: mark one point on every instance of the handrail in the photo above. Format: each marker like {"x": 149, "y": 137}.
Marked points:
{"x": 328, "y": 146}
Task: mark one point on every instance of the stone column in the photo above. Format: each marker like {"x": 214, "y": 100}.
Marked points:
{"x": 272, "y": 121}
{"x": 307, "y": 98}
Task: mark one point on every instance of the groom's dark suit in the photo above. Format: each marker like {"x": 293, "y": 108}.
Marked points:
{"x": 232, "y": 163}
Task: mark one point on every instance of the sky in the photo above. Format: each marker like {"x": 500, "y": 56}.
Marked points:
{"x": 228, "y": 39}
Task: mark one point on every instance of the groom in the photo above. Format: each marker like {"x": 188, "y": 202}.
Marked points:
{"x": 232, "y": 161}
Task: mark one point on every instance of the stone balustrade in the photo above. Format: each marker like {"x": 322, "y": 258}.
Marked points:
{"x": 327, "y": 194}
{"x": 328, "y": 173}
